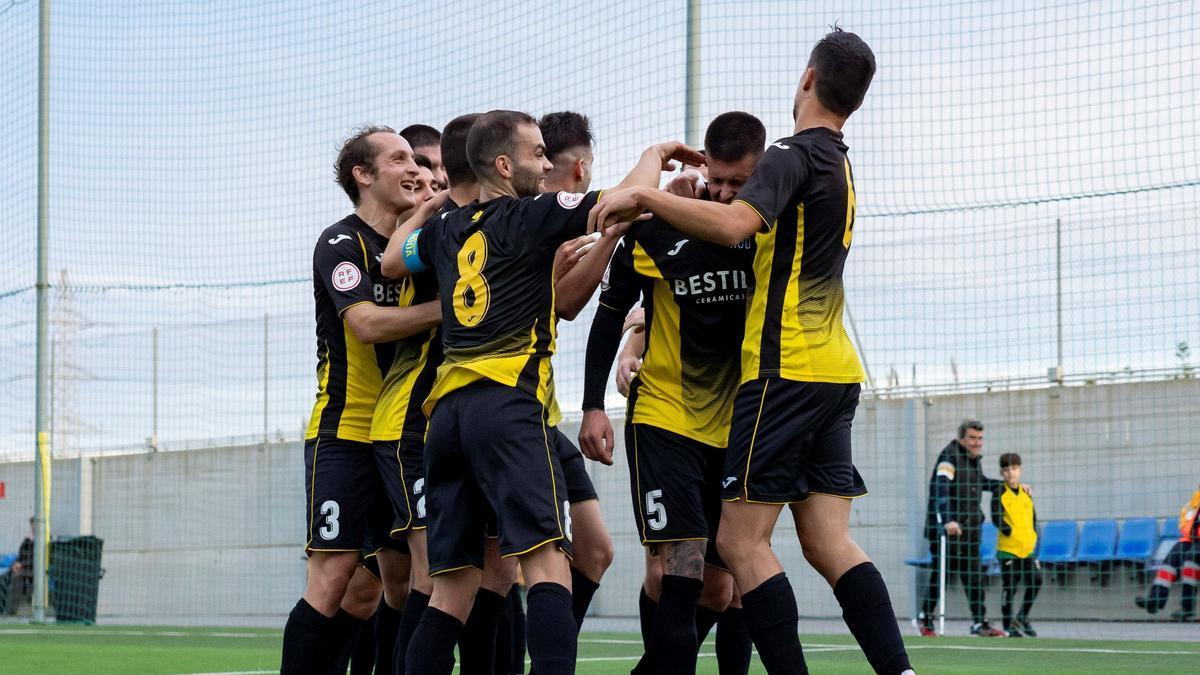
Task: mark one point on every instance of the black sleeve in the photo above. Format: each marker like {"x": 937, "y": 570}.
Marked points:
{"x": 619, "y": 293}
{"x": 944, "y": 473}
{"x": 998, "y": 513}
{"x": 340, "y": 262}
{"x": 555, "y": 217}
{"x": 782, "y": 171}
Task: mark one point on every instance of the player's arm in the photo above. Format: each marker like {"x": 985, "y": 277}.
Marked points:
{"x": 781, "y": 171}
{"x": 394, "y": 264}
{"x": 372, "y": 324}
{"x": 595, "y": 432}
{"x": 998, "y": 514}
{"x": 726, "y": 224}
{"x": 629, "y": 361}
{"x": 656, "y": 159}
{"x": 944, "y": 475}
{"x": 575, "y": 288}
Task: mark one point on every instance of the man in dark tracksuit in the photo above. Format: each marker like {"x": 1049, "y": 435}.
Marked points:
{"x": 953, "y": 509}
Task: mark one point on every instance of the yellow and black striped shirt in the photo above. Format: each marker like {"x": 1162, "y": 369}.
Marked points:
{"x": 495, "y": 269}
{"x": 803, "y": 189}
{"x": 349, "y": 373}
{"x": 694, "y": 293}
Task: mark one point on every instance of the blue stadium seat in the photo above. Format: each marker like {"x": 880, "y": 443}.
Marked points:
{"x": 987, "y": 548}
{"x": 921, "y": 561}
{"x": 1165, "y": 544}
{"x": 987, "y": 544}
{"x": 1097, "y": 541}
{"x": 1138, "y": 539}
{"x": 1057, "y": 543}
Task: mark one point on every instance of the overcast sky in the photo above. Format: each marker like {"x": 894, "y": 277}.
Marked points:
{"x": 192, "y": 145}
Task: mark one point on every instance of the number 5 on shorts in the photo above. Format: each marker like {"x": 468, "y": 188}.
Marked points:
{"x": 656, "y": 512}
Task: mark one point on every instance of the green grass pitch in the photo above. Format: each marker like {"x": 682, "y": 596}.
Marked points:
{"x": 143, "y": 649}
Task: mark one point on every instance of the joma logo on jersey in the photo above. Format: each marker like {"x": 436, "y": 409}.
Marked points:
{"x": 711, "y": 282}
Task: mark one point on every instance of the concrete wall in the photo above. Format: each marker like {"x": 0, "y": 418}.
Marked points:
{"x": 214, "y": 536}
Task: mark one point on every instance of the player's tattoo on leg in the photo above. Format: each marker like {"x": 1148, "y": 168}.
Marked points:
{"x": 683, "y": 558}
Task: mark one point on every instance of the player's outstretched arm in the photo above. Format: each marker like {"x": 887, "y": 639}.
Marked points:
{"x": 372, "y": 324}
{"x": 656, "y": 159}
{"x": 392, "y": 264}
{"x": 727, "y": 224}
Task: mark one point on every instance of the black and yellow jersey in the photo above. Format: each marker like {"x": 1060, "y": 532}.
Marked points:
{"x": 803, "y": 189}
{"x": 410, "y": 376}
{"x": 414, "y": 366}
{"x": 1015, "y": 519}
{"x": 694, "y": 293}
{"x": 495, "y": 269}
{"x": 349, "y": 373}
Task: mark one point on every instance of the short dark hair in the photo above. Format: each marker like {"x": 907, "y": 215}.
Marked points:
{"x": 1009, "y": 459}
{"x": 423, "y": 162}
{"x": 969, "y": 423}
{"x": 733, "y": 135}
{"x": 454, "y": 150}
{"x": 564, "y": 130}
{"x": 357, "y": 151}
{"x": 844, "y": 66}
{"x": 421, "y": 135}
{"x": 492, "y": 135}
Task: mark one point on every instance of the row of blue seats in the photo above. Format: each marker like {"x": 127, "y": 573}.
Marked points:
{"x": 1136, "y": 540}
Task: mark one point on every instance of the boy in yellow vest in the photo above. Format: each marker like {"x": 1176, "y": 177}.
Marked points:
{"x": 1013, "y": 514}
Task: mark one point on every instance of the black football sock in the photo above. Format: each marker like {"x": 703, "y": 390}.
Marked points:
{"x": 504, "y": 636}
{"x": 582, "y": 590}
{"x": 362, "y": 651}
{"x": 734, "y": 649}
{"x": 477, "y": 647}
{"x": 387, "y": 626}
{"x": 867, "y": 610}
{"x": 674, "y": 632}
{"x": 705, "y": 620}
{"x": 310, "y": 641}
{"x": 518, "y": 613}
{"x": 432, "y": 651}
{"x": 646, "y": 609}
{"x": 773, "y": 622}
{"x": 413, "y": 608}
{"x": 552, "y": 639}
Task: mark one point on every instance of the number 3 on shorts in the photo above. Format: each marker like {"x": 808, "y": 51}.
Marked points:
{"x": 656, "y": 512}
{"x": 330, "y": 511}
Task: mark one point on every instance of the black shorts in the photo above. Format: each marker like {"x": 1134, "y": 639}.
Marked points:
{"x": 675, "y": 482}
{"x": 791, "y": 439}
{"x": 401, "y": 464}
{"x": 345, "y": 496}
{"x": 490, "y": 452}
{"x": 579, "y": 483}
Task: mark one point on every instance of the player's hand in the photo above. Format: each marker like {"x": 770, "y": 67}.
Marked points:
{"x": 627, "y": 366}
{"x": 16, "y": 568}
{"x": 676, "y": 151}
{"x": 686, "y": 184}
{"x": 1026, "y": 489}
{"x": 615, "y": 207}
{"x": 636, "y": 321}
{"x": 596, "y": 436}
{"x": 953, "y": 529}
{"x": 570, "y": 253}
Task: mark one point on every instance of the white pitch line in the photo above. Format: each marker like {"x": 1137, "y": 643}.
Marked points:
{"x": 1061, "y": 650}
{"x": 136, "y": 633}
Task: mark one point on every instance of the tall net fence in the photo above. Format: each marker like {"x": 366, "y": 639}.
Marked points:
{"x": 1026, "y": 253}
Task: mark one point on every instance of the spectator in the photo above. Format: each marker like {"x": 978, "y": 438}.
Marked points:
{"x": 1016, "y": 519}
{"x": 1183, "y": 560}
{"x": 953, "y": 511}
{"x": 22, "y": 573}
